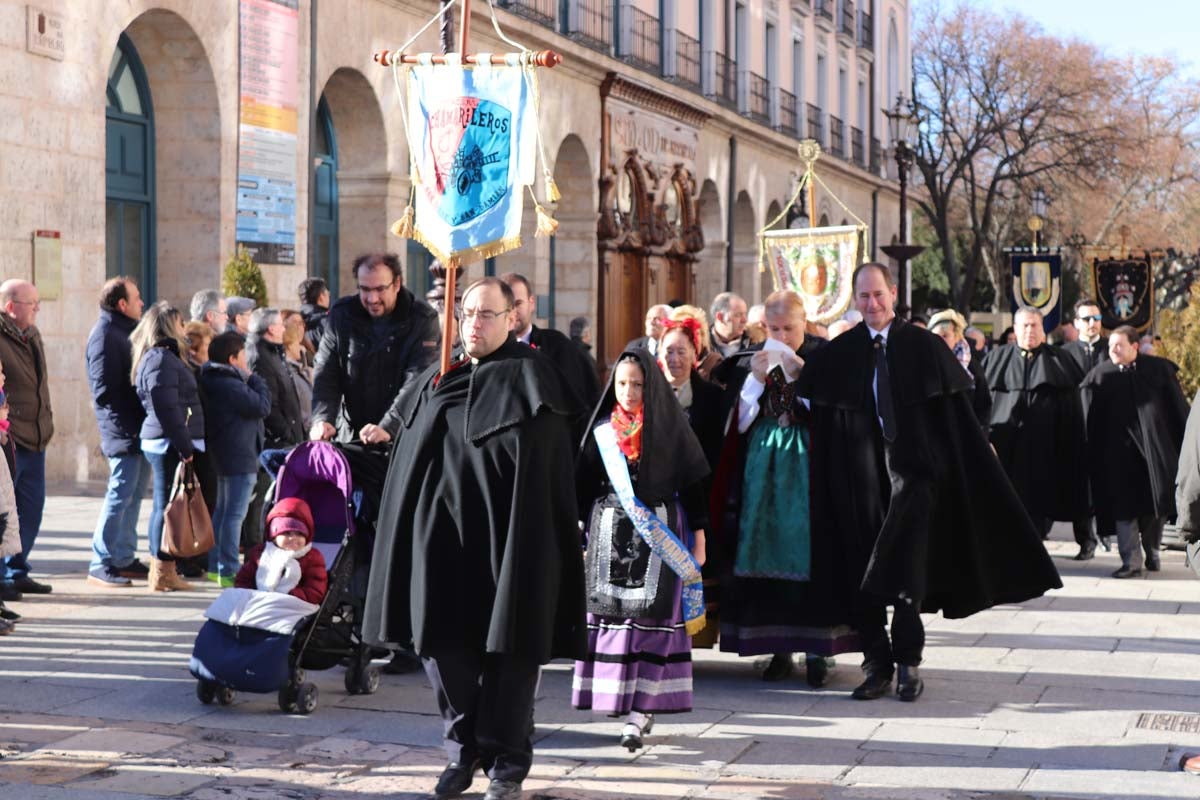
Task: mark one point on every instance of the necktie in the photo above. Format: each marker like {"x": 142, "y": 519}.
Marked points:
{"x": 883, "y": 390}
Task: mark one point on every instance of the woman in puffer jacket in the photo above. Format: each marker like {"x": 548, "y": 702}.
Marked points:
{"x": 174, "y": 427}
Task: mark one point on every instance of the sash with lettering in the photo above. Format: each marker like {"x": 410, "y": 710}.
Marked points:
{"x": 662, "y": 541}
{"x": 472, "y": 133}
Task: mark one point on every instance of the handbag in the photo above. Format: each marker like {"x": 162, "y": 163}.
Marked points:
{"x": 187, "y": 527}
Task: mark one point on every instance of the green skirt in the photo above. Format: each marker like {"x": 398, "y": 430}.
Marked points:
{"x": 774, "y": 532}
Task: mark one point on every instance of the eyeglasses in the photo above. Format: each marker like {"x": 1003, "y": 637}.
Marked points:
{"x": 469, "y": 315}
{"x": 370, "y": 290}
{"x": 34, "y": 303}
{"x": 1089, "y": 317}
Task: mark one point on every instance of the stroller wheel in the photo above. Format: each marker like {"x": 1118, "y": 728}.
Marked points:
{"x": 298, "y": 676}
{"x": 287, "y": 699}
{"x": 352, "y": 679}
{"x": 225, "y": 696}
{"x": 370, "y": 679}
{"x": 361, "y": 679}
{"x": 206, "y": 692}
{"x": 306, "y": 698}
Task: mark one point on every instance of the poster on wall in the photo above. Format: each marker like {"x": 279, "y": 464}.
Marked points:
{"x": 267, "y": 128}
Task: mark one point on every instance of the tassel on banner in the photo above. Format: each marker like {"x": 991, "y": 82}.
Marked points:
{"x": 403, "y": 227}
{"x": 546, "y": 224}
{"x": 552, "y": 193}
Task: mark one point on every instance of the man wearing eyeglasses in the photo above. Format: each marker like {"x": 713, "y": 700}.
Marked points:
{"x": 1089, "y": 351}
{"x": 374, "y": 344}
{"x": 477, "y": 555}
{"x": 31, "y": 421}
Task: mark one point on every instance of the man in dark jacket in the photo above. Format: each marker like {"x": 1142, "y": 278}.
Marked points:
{"x": 1136, "y": 415}
{"x": 373, "y": 346}
{"x": 488, "y": 585}
{"x": 314, "y": 307}
{"x": 119, "y": 416}
{"x": 31, "y": 422}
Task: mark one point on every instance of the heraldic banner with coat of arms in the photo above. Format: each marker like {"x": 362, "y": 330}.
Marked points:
{"x": 1037, "y": 282}
{"x": 817, "y": 264}
{"x": 1125, "y": 291}
{"x": 472, "y": 132}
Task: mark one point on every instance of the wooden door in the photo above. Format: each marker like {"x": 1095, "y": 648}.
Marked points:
{"x": 624, "y": 295}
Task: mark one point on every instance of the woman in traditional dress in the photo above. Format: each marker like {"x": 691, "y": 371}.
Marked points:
{"x": 641, "y": 482}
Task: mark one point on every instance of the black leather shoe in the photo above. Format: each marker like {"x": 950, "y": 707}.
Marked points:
{"x": 1106, "y": 543}
{"x": 8, "y": 592}
{"x": 1086, "y": 553}
{"x": 876, "y": 685}
{"x": 781, "y": 667}
{"x": 28, "y": 585}
{"x": 402, "y": 663}
{"x": 1153, "y": 564}
{"x": 908, "y": 683}
{"x": 816, "y": 671}
{"x": 456, "y": 779}
{"x": 1127, "y": 572}
{"x": 7, "y": 613}
{"x": 503, "y": 790}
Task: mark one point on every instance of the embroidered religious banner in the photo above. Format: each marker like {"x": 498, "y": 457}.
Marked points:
{"x": 1037, "y": 282}
{"x": 1125, "y": 291}
{"x": 817, "y": 264}
{"x": 472, "y": 135}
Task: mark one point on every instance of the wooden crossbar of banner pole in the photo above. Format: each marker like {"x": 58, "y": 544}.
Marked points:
{"x": 386, "y": 58}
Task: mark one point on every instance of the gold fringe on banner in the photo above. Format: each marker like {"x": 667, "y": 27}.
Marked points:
{"x": 471, "y": 254}
{"x": 403, "y": 227}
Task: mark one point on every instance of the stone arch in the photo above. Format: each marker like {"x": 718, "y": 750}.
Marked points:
{"x": 745, "y": 248}
{"x": 710, "y": 262}
{"x": 362, "y": 173}
{"x": 572, "y": 253}
{"x": 187, "y": 144}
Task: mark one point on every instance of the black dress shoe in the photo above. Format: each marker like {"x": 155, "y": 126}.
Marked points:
{"x": 816, "y": 671}
{"x": 7, "y": 613}
{"x": 402, "y": 663}
{"x": 781, "y": 667}
{"x": 1128, "y": 572}
{"x": 1153, "y": 564}
{"x": 908, "y": 683}
{"x": 503, "y": 790}
{"x": 8, "y": 592}
{"x": 456, "y": 779}
{"x": 876, "y": 685}
{"x": 28, "y": 585}
{"x": 1086, "y": 553}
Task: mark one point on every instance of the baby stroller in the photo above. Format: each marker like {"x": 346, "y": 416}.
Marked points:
{"x": 228, "y": 658}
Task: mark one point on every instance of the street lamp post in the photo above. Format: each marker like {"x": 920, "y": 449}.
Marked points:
{"x": 901, "y": 126}
{"x": 1040, "y": 202}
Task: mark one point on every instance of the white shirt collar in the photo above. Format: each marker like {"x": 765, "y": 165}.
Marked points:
{"x": 887, "y": 329}
{"x": 524, "y": 337}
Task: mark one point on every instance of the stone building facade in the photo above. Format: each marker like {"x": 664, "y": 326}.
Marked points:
{"x": 671, "y": 131}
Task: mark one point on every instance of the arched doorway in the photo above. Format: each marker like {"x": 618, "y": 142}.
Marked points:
{"x": 324, "y": 260}
{"x": 573, "y": 248}
{"x": 129, "y": 170}
{"x": 710, "y": 265}
{"x": 361, "y": 176}
{"x": 766, "y": 282}
{"x": 745, "y": 249}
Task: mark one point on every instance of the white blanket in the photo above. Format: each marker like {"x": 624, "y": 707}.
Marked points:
{"x": 268, "y": 611}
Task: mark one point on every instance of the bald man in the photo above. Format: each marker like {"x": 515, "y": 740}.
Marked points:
{"x": 31, "y": 424}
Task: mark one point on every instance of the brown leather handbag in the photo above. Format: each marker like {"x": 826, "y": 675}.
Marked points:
{"x": 187, "y": 526}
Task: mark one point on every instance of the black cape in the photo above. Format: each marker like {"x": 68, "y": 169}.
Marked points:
{"x": 577, "y": 366}
{"x": 1037, "y": 429}
{"x": 477, "y": 543}
{"x": 1087, "y": 356}
{"x": 930, "y": 517}
{"x": 731, "y": 372}
{"x": 981, "y": 395}
{"x": 1135, "y": 424}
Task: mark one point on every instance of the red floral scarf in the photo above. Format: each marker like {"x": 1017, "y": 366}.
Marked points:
{"x": 628, "y": 428}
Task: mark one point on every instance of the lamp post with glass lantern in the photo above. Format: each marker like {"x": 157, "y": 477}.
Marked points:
{"x": 902, "y": 124}
{"x": 1040, "y": 202}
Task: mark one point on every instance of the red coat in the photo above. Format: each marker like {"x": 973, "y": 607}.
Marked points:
{"x": 314, "y": 579}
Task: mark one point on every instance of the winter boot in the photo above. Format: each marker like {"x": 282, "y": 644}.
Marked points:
{"x": 174, "y": 580}
{"x": 158, "y": 581}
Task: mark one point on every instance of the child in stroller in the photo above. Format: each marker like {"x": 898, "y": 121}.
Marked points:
{"x": 262, "y": 641}
{"x": 287, "y": 562}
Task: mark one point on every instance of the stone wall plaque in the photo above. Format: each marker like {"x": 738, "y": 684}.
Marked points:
{"x": 47, "y": 264}
{"x": 45, "y": 33}
{"x": 657, "y": 139}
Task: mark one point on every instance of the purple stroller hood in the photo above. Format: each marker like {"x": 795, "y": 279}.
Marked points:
{"x": 318, "y": 473}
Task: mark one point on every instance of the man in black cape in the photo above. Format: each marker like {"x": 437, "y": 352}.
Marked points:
{"x": 477, "y": 555}
{"x": 1089, "y": 351}
{"x": 903, "y": 475}
{"x": 1037, "y": 425}
{"x": 576, "y": 366}
{"x": 1136, "y": 414}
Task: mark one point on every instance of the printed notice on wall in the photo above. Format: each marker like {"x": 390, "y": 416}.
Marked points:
{"x": 266, "y": 195}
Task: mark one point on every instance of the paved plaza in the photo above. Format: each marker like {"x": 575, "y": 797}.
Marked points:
{"x": 1093, "y": 692}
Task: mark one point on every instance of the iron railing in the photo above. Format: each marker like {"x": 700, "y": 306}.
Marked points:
{"x": 876, "y": 165}
{"x": 857, "y": 152}
{"x": 824, "y": 8}
{"x": 866, "y": 31}
{"x": 837, "y": 137}
{"x": 815, "y": 124}
{"x": 846, "y": 25}
{"x": 641, "y": 39}
{"x": 754, "y": 96}
{"x": 786, "y": 121}
{"x": 683, "y": 60}
{"x": 590, "y": 23}
{"x": 543, "y": 12}
{"x": 719, "y": 80}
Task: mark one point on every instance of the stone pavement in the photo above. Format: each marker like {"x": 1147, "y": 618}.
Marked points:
{"x": 1092, "y": 692}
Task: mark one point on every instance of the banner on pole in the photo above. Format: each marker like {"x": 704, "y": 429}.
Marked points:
{"x": 472, "y": 133}
{"x": 817, "y": 264}
{"x": 1037, "y": 282}
{"x": 1125, "y": 291}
